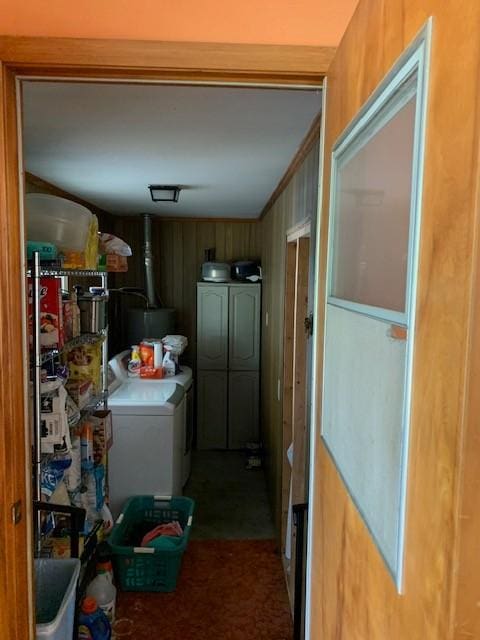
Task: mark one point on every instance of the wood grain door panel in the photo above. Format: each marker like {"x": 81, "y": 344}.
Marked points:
{"x": 352, "y": 594}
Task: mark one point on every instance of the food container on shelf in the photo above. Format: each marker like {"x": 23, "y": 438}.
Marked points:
{"x": 215, "y": 272}
{"x": 57, "y": 220}
{"x": 93, "y": 311}
{"x": 46, "y": 250}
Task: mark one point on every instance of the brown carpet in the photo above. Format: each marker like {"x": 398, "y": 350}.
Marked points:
{"x": 227, "y": 590}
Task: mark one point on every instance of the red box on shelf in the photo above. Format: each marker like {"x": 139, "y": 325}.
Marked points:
{"x": 51, "y": 316}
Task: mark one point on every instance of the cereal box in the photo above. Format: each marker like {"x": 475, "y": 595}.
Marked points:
{"x": 51, "y": 317}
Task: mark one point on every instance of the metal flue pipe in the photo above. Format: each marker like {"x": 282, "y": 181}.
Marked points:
{"x": 153, "y": 302}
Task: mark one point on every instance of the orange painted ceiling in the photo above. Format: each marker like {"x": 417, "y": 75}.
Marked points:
{"x": 296, "y": 22}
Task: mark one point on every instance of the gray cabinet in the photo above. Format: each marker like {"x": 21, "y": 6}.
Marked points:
{"x": 212, "y": 327}
{"x": 244, "y": 328}
{"x": 228, "y": 359}
{"x": 212, "y": 393}
{"x": 243, "y": 407}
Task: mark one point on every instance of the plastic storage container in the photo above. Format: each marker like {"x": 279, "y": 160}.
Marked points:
{"x": 55, "y": 588}
{"x": 149, "y": 568}
{"x": 62, "y": 222}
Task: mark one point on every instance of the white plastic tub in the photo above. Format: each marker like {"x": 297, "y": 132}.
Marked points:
{"x": 62, "y": 222}
{"x": 55, "y": 589}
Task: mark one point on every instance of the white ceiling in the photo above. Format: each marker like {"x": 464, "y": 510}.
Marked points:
{"x": 227, "y": 147}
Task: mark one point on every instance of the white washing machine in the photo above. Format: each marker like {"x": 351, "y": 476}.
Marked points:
{"x": 132, "y": 396}
{"x": 146, "y": 457}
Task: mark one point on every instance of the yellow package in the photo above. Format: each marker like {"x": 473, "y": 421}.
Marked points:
{"x": 88, "y": 258}
{"x": 91, "y": 250}
{"x": 84, "y": 363}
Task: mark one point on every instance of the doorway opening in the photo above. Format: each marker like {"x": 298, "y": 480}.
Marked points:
{"x": 221, "y": 486}
{"x": 296, "y": 443}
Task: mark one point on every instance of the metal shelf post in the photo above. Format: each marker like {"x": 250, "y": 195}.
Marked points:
{"x": 37, "y": 366}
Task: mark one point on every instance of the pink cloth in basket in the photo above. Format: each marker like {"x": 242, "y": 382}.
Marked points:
{"x": 169, "y": 529}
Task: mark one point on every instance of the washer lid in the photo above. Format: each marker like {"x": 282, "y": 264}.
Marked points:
{"x": 184, "y": 377}
{"x": 135, "y": 398}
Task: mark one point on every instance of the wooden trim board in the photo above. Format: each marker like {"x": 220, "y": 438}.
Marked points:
{"x": 183, "y": 60}
{"x": 300, "y": 230}
{"x": 15, "y": 541}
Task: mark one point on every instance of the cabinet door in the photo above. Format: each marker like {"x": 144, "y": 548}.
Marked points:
{"x": 243, "y": 408}
{"x": 212, "y": 326}
{"x": 244, "y": 330}
{"x": 212, "y": 409}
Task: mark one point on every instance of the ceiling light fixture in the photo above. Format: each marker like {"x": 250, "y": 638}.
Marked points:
{"x": 164, "y": 192}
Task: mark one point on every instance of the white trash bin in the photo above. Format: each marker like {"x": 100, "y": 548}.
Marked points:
{"x": 55, "y": 589}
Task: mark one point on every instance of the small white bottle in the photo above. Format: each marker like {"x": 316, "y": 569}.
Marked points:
{"x": 103, "y": 590}
{"x": 157, "y": 354}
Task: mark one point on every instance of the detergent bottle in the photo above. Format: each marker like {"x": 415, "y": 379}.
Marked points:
{"x": 135, "y": 362}
{"x": 103, "y": 590}
{"x": 92, "y": 622}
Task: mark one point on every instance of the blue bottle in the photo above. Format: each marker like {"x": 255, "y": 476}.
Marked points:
{"x": 93, "y": 624}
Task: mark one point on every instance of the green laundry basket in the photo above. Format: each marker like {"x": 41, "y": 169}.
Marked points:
{"x": 153, "y": 568}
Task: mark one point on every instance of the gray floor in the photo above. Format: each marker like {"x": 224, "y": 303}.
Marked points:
{"x": 231, "y": 502}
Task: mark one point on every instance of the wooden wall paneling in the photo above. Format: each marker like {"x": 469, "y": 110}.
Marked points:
{"x": 306, "y": 145}
{"x": 228, "y": 250}
{"x": 189, "y": 277}
{"x": 15, "y": 540}
{"x": 466, "y": 619}
{"x": 178, "y": 266}
{"x": 178, "y": 248}
{"x": 165, "y": 264}
{"x": 220, "y": 241}
{"x": 287, "y": 210}
{"x": 353, "y": 596}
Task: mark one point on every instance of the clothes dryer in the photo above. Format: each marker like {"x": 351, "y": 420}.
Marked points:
{"x": 118, "y": 372}
{"x": 148, "y": 441}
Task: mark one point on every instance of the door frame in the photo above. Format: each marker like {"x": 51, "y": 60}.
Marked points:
{"x": 298, "y": 251}
{"x": 72, "y": 59}
{"x": 315, "y": 381}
